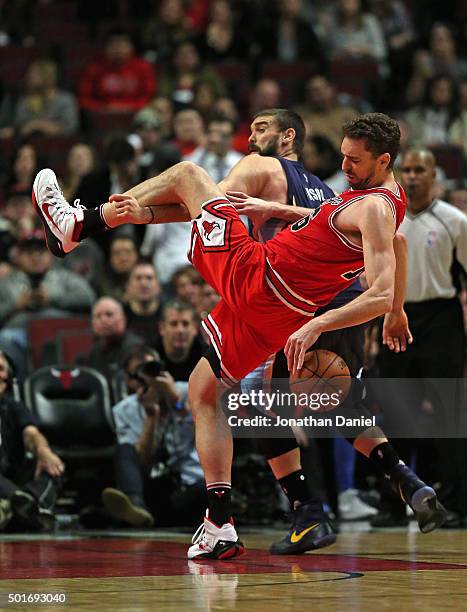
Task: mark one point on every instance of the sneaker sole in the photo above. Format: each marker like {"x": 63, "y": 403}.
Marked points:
{"x": 119, "y": 507}
{"x": 228, "y": 552}
{"x": 326, "y": 540}
{"x": 432, "y": 516}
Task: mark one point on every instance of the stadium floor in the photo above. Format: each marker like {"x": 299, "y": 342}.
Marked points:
{"x": 135, "y": 571}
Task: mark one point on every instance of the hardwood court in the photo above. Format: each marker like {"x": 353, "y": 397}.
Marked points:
{"x": 364, "y": 571}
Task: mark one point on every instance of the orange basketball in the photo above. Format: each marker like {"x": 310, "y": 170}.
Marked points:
{"x": 326, "y": 377}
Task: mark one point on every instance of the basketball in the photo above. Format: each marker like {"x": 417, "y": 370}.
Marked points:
{"x": 326, "y": 376}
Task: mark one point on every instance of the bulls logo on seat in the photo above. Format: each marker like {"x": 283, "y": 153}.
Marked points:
{"x": 65, "y": 376}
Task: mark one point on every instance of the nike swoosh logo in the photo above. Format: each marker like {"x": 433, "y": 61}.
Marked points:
{"x": 45, "y": 208}
{"x": 296, "y": 537}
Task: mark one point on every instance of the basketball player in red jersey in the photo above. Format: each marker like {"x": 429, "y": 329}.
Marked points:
{"x": 268, "y": 302}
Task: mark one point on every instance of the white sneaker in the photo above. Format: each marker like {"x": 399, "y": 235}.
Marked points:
{"x": 58, "y": 217}
{"x": 213, "y": 542}
{"x": 352, "y": 508}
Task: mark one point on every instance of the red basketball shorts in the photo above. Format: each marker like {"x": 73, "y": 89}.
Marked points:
{"x": 250, "y": 322}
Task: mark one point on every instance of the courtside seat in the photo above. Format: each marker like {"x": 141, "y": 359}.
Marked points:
{"x": 73, "y": 409}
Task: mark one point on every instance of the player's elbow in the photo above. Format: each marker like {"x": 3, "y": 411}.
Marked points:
{"x": 387, "y": 301}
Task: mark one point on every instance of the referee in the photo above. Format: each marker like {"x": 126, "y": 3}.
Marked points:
{"x": 436, "y": 234}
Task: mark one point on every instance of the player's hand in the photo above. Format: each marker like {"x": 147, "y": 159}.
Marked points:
{"x": 256, "y": 209}
{"x": 396, "y": 332}
{"x": 128, "y": 210}
{"x": 298, "y": 344}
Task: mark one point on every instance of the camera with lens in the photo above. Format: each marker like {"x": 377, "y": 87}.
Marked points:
{"x": 147, "y": 371}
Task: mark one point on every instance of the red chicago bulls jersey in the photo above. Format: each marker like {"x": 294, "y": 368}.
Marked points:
{"x": 312, "y": 259}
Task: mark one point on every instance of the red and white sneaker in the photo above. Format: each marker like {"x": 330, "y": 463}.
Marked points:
{"x": 58, "y": 217}
{"x": 213, "y": 542}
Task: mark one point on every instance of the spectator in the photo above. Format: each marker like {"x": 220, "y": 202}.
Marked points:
{"x": 170, "y": 28}
{"x": 217, "y": 157}
{"x": 209, "y": 298}
{"x": 266, "y": 94}
{"x": 225, "y": 107}
{"x": 166, "y": 245}
{"x": 155, "y": 156}
{"x": 153, "y": 424}
{"x": 143, "y": 302}
{"x": 293, "y": 38}
{"x": 24, "y": 168}
{"x": 205, "y": 96}
{"x": 164, "y": 109}
{"x": 37, "y": 288}
{"x": 187, "y": 284}
{"x": 322, "y": 113}
{"x": 180, "y": 346}
{"x": 458, "y": 197}
{"x": 223, "y": 40}
{"x": 458, "y": 129}
{"x": 189, "y": 131}
{"x": 17, "y": 220}
{"x": 351, "y": 33}
{"x": 186, "y": 70}
{"x": 119, "y": 80}
{"x": 112, "y": 339}
{"x": 119, "y": 173}
{"x": 81, "y": 160}
{"x": 30, "y": 504}
{"x": 321, "y": 158}
{"x": 399, "y": 34}
{"x": 43, "y": 108}
{"x": 429, "y": 123}
{"x": 123, "y": 255}
{"x": 441, "y": 58}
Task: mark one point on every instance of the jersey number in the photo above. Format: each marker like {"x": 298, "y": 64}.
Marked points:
{"x": 301, "y": 223}
{"x": 351, "y": 274}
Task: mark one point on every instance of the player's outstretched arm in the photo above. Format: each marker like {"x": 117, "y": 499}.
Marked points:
{"x": 375, "y": 221}
{"x": 396, "y": 333}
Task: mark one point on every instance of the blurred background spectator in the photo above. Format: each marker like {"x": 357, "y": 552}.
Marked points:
{"x": 35, "y": 288}
{"x": 42, "y": 108}
{"x": 119, "y": 80}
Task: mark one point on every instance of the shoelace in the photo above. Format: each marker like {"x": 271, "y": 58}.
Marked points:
{"x": 76, "y": 204}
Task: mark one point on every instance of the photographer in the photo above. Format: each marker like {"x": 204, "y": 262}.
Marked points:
{"x": 29, "y": 503}
{"x": 158, "y": 470}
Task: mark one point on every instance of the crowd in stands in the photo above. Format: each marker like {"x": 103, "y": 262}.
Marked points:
{"x": 111, "y": 93}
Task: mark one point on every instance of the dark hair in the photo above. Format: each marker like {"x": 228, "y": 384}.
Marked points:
{"x": 286, "y": 119}
{"x": 380, "y": 133}
{"x": 187, "y": 270}
{"x": 119, "y": 151}
{"x": 140, "y": 352}
{"x": 177, "y": 305}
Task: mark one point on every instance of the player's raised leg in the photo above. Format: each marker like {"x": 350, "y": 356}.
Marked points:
{"x": 66, "y": 225}
{"x": 216, "y": 538}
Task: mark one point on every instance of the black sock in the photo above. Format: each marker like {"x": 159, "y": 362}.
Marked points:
{"x": 93, "y": 223}
{"x": 219, "y": 502}
{"x": 384, "y": 458}
{"x": 295, "y": 486}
